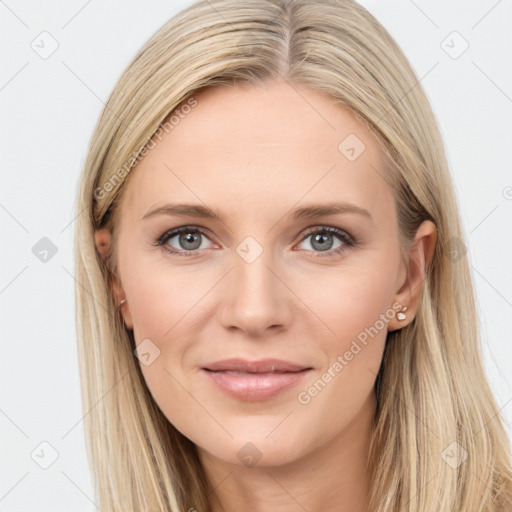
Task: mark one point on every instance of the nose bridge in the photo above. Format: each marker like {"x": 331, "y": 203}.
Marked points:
{"x": 256, "y": 298}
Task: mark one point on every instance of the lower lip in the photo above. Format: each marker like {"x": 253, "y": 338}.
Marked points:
{"x": 255, "y": 386}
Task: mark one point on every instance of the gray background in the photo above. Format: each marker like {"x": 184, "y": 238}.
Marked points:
{"x": 49, "y": 105}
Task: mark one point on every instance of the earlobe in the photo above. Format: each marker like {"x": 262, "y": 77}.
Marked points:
{"x": 124, "y": 307}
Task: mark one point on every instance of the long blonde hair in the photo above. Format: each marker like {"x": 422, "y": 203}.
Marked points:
{"x": 439, "y": 443}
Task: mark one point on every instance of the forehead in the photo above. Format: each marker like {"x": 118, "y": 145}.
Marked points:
{"x": 262, "y": 147}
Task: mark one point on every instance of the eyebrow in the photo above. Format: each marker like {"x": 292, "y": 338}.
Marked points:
{"x": 303, "y": 212}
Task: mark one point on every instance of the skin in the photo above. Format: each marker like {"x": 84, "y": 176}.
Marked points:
{"x": 253, "y": 154}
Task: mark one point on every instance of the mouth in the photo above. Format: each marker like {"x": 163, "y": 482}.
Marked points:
{"x": 247, "y": 374}
{"x": 259, "y": 366}
{"x": 253, "y": 381}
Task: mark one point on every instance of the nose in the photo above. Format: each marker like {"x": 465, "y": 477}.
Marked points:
{"x": 255, "y": 297}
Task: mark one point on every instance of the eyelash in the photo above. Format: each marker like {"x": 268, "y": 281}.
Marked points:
{"x": 347, "y": 239}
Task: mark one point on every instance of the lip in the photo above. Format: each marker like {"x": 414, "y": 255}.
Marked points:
{"x": 258, "y": 366}
{"x": 253, "y": 381}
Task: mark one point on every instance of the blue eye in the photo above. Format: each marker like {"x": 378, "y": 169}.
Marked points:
{"x": 191, "y": 239}
{"x": 323, "y": 240}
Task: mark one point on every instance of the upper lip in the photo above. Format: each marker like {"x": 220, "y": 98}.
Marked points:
{"x": 259, "y": 366}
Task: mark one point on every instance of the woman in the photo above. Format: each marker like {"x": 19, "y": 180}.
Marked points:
{"x": 275, "y": 308}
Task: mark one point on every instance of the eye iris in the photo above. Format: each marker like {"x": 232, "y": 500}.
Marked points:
{"x": 189, "y": 238}
{"x": 322, "y": 237}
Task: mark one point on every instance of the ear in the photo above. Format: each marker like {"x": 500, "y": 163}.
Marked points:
{"x": 102, "y": 238}
{"x": 420, "y": 257}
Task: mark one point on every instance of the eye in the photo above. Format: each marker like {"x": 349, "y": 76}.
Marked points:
{"x": 188, "y": 240}
{"x": 324, "y": 239}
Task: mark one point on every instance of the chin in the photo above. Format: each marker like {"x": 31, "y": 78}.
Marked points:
{"x": 257, "y": 448}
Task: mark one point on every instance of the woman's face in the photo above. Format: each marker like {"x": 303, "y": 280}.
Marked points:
{"x": 261, "y": 280}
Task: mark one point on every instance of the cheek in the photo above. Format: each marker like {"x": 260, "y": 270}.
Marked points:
{"x": 162, "y": 309}
{"x": 356, "y": 307}
{"x": 351, "y": 300}
{"x": 162, "y": 297}
{"x": 165, "y": 307}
